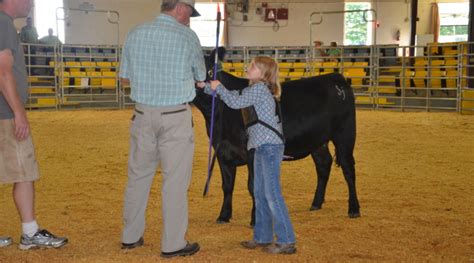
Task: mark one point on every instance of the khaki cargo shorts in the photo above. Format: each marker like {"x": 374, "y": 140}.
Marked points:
{"x": 17, "y": 158}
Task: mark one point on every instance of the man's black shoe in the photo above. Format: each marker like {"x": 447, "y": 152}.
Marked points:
{"x": 139, "y": 243}
{"x": 188, "y": 250}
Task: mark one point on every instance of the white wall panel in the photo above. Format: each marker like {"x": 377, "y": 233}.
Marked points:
{"x": 393, "y": 16}
{"x": 94, "y": 29}
{"x": 294, "y": 32}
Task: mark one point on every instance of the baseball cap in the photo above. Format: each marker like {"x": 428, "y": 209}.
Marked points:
{"x": 186, "y": 2}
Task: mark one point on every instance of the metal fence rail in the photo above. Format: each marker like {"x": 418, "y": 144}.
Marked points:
{"x": 383, "y": 76}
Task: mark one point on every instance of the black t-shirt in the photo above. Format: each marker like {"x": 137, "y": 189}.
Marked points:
{"x": 10, "y": 40}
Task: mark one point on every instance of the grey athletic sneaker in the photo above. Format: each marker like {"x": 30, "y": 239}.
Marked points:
{"x": 41, "y": 239}
{"x": 5, "y": 241}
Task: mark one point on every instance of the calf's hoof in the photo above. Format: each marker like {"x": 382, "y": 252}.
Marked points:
{"x": 315, "y": 208}
{"x": 221, "y": 221}
{"x": 354, "y": 215}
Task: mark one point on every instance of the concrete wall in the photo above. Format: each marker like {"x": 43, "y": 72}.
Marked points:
{"x": 296, "y": 31}
{"x": 293, "y": 32}
{"x": 93, "y": 28}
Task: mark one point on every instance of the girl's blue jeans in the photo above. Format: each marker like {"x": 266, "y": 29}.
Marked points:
{"x": 271, "y": 216}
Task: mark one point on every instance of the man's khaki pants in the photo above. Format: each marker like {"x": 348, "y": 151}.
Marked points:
{"x": 159, "y": 135}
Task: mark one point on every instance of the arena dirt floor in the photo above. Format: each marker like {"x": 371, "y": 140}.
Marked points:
{"x": 414, "y": 178}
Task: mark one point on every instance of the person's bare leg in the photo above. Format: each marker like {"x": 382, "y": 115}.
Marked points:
{"x": 24, "y": 197}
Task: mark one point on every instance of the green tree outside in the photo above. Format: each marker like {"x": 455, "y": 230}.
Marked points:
{"x": 354, "y": 24}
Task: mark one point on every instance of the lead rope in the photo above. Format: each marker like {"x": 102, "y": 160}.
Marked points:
{"x": 209, "y": 166}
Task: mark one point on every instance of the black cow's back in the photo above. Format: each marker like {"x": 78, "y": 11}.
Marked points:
{"x": 311, "y": 109}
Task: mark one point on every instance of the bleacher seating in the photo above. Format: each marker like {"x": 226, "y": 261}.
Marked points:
{"x": 437, "y": 80}
{"x": 81, "y": 70}
{"x": 355, "y": 76}
{"x": 419, "y": 79}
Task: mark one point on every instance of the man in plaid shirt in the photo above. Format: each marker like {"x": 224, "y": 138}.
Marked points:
{"x": 162, "y": 60}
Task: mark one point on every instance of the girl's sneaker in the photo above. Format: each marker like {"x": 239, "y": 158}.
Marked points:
{"x": 280, "y": 249}
{"x": 252, "y": 244}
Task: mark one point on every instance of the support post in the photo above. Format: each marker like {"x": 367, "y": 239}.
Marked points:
{"x": 470, "y": 39}
{"x": 413, "y": 20}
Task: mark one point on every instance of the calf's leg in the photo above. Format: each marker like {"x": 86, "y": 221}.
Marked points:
{"x": 349, "y": 174}
{"x": 345, "y": 158}
{"x": 323, "y": 160}
{"x": 228, "y": 181}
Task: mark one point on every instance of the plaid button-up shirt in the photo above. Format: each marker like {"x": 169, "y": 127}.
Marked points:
{"x": 162, "y": 60}
{"x": 259, "y": 96}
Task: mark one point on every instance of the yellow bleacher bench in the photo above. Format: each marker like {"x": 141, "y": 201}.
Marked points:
{"x": 104, "y": 64}
{"x": 371, "y": 100}
{"x": 345, "y": 64}
{"x": 403, "y": 78}
{"x": 95, "y": 78}
{"x": 360, "y": 64}
{"x": 53, "y": 63}
{"x": 295, "y": 75}
{"x": 451, "y": 64}
{"x": 32, "y": 79}
{"x": 436, "y": 79}
{"x": 238, "y": 65}
{"x": 437, "y": 62}
{"x": 283, "y": 74}
{"x": 41, "y": 91}
{"x": 109, "y": 74}
{"x": 297, "y": 65}
{"x": 317, "y": 65}
{"x": 66, "y": 78}
{"x": 385, "y": 90}
{"x": 72, "y": 64}
{"x": 451, "y": 52}
{"x": 227, "y": 65}
{"x": 285, "y": 65}
{"x": 386, "y": 79}
{"x": 46, "y": 101}
{"x": 88, "y": 64}
{"x": 80, "y": 79}
{"x": 451, "y": 79}
{"x": 329, "y": 66}
{"x": 420, "y": 79}
{"x": 109, "y": 82}
{"x": 467, "y": 105}
{"x": 420, "y": 64}
{"x": 77, "y": 74}
{"x": 355, "y": 75}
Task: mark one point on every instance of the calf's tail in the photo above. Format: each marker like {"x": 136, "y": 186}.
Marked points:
{"x": 345, "y": 134}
